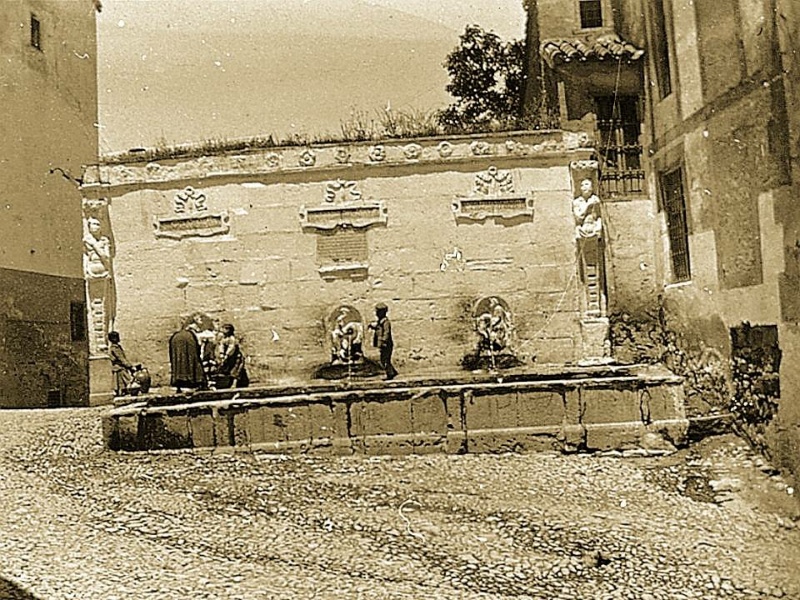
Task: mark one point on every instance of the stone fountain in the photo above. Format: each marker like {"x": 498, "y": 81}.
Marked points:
{"x": 494, "y": 327}
{"x": 344, "y": 329}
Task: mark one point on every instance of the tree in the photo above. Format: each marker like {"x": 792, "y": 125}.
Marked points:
{"x": 486, "y": 77}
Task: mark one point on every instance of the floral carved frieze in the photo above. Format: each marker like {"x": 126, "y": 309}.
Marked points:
{"x": 191, "y": 218}
{"x": 343, "y": 207}
{"x": 373, "y": 155}
{"x": 493, "y": 196}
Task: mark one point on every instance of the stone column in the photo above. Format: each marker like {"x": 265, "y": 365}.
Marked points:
{"x": 590, "y": 254}
{"x": 100, "y": 296}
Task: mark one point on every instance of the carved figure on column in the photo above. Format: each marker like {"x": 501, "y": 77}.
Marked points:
{"x": 97, "y": 251}
{"x": 98, "y": 273}
{"x": 586, "y": 209}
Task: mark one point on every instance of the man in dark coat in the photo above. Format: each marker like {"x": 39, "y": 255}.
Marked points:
{"x": 382, "y": 339}
{"x": 185, "y": 361}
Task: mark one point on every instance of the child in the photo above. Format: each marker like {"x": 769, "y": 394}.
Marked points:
{"x": 382, "y": 339}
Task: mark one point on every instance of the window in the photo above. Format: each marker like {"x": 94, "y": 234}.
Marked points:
{"x": 618, "y": 127}
{"x": 77, "y": 321}
{"x": 677, "y": 227}
{"x": 661, "y": 49}
{"x": 36, "y": 33}
{"x": 591, "y": 13}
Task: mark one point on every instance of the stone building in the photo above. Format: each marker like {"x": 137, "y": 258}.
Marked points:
{"x": 48, "y": 132}
{"x": 696, "y": 107}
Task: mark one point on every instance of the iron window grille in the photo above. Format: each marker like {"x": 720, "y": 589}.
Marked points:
{"x": 591, "y": 12}
{"x": 677, "y": 226}
{"x": 36, "y": 33}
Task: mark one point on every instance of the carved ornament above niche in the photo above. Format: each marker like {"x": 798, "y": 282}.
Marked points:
{"x": 191, "y": 218}
{"x": 343, "y": 207}
{"x": 493, "y": 196}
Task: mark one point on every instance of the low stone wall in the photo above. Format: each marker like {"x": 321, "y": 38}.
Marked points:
{"x": 601, "y": 410}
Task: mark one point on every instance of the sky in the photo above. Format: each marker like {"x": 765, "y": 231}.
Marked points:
{"x": 176, "y": 71}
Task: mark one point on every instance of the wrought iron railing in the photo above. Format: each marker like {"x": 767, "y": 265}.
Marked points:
{"x": 620, "y": 157}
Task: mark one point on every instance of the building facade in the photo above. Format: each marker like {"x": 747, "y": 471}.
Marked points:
{"x": 704, "y": 99}
{"x": 48, "y": 132}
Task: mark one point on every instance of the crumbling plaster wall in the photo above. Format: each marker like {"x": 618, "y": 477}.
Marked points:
{"x": 735, "y": 135}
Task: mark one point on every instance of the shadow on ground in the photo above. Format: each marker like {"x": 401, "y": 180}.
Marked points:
{"x": 11, "y": 591}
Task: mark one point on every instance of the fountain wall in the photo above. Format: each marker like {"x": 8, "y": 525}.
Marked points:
{"x": 274, "y": 240}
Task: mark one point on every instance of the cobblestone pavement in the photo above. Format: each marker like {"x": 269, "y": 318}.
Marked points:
{"x": 77, "y": 522}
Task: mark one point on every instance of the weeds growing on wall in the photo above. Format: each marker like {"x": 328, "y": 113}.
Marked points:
{"x": 647, "y": 339}
{"x": 746, "y": 385}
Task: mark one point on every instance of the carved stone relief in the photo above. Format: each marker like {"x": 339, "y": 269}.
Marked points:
{"x": 377, "y": 153}
{"x": 341, "y": 224}
{"x": 191, "y": 218}
{"x": 493, "y": 196}
{"x": 480, "y": 148}
{"x": 343, "y": 207}
{"x": 445, "y": 149}
{"x": 412, "y": 151}
{"x": 307, "y": 158}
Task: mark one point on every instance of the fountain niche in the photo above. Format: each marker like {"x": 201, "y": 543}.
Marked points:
{"x": 345, "y": 334}
{"x": 494, "y": 327}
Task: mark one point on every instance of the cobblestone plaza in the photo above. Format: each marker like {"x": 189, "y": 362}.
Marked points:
{"x": 80, "y": 522}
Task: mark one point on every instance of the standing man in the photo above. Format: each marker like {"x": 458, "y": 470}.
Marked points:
{"x": 184, "y": 358}
{"x": 382, "y": 339}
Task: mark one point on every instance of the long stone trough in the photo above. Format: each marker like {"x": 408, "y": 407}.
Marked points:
{"x": 602, "y": 408}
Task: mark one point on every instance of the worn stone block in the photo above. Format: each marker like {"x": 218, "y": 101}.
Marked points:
{"x": 201, "y": 429}
{"x": 126, "y": 430}
{"x": 480, "y": 411}
{"x": 397, "y": 445}
{"x": 242, "y": 423}
{"x": 165, "y": 431}
{"x": 573, "y": 406}
{"x": 676, "y": 431}
{"x": 387, "y": 417}
{"x": 614, "y": 436}
{"x": 610, "y": 406}
{"x": 479, "y": 441}
{"x": 594, "y": 337}
{"x": 573, "y": 437}
{"x": 456, "y": 442}
{"x": 278, "y": 423}
{"x": 430, "y": 443}
{"x": 538, "y": 409}
{"x": 528, "y": 439}
{"x": 506, "y": 409}
{"x": 665, "y": 401}
{"x": 321, "y": 420}
{"x": 428, "y": 414}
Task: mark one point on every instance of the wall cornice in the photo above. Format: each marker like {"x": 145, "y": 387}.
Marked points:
{"x": 329, "y": 161}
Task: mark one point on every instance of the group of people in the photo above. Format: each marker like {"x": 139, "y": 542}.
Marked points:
{"x": 199, "y": 361}
{"x": 216, "y": 362}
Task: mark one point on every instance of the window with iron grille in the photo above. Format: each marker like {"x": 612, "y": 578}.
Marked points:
{"x": 661, "y": 49}
{"x": 620, "y": 153}
{"x": 677, "y": 227}
{"x": 591, "y": 13}
{"x": 36, "y": 33}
